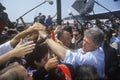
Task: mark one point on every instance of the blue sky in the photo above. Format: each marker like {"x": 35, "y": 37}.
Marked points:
{"x": 16, "y": 8}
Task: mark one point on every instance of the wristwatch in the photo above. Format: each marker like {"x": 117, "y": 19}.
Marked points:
{"x": 48, "y": 36}
{"x": 42, "y": 40}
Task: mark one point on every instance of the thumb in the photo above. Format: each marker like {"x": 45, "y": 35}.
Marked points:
{"x": 20, "y": 42}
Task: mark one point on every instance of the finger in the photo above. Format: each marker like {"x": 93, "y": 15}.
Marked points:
{"x": 29, "y": 47}
{"x": 28, "y": 43}
{"x": 29, "y": 51}
{"x": 53, "y": 55}
{"x": 55, "y": 60}
{"x": 55, "y": 64}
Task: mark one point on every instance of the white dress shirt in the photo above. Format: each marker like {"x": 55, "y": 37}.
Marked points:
{"x": 95, "y": 58}
{"x": 5, "y": 47}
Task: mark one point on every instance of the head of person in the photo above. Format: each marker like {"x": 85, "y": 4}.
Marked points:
{"x": 107, "y": 36}
{"x": 2, "y": 8}
{"x": 19, "y": 60}
{"x": 12, "y": 33}
{"x": 62, "y": 72}
{"x": 20, "y": 28}
{"x": 93, "y": 38}
{"x": 42, "y": 19}
{"x": 86, "y": 72}
{"x": 38, "y": 57}
{"x": 99, "y": 24}
{"x": 49, "y": 16}
{"x": 65, "y": 35}
{"x": 15, "y": 71}
{"x": 77, "y": 33}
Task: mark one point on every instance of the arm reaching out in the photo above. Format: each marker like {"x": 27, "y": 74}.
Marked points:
{"x": 59, "y": 50}
{"x": 23, "y": 34}
{"x": 18, "y": 51}
{"x": 51, "y": 63}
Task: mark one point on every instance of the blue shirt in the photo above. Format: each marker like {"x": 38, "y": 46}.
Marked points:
{"x": 115, "y": 39}
{"x": 5, "y": 47}
{"x": 49, "y": 21}
{"x": 95, "y": 58}
{"x": 118, "y": 36}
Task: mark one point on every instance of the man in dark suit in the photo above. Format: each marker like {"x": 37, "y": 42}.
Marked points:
{"x": 77, "y": 38}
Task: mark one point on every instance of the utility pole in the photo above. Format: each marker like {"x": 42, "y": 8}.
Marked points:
{"x": 59, "y": 12}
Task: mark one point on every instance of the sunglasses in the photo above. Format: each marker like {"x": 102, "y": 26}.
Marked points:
{"x": 75, "y": 35}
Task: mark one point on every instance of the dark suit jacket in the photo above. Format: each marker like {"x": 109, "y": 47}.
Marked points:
{"x": 77, "y": 45}
{"x": 111, "y": 62}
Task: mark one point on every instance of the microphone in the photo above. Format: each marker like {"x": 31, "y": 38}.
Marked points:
{"x": 50, "y": 2}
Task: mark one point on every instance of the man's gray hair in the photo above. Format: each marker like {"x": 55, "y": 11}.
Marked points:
{"x": 96, "y": 34}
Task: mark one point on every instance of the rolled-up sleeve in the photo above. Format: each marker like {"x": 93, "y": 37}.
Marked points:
{"x": 5, "y": 47}
{"x": 70, "y": 58}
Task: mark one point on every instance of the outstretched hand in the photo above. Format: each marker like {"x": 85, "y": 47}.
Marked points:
{"x": 37, "y": 26}
{"x": 51, "y": 63}
{"x": 41, "y": 28}
{"x": 23, "y": 49}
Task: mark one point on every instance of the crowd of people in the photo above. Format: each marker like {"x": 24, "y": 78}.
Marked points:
{"x": 79, "y": 52}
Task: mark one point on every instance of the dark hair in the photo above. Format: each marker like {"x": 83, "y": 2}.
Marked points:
{"x": 68, "y": 29}
{"x": 58, "y": 74}
{"x": 15, "y": 59}
{"x": 12, "y": 60}
{"x": 11, "y": 32}
{"x": 59, "y": 34}
{"x": 86, "y": 72}
{"x": 4, "y": 38}
{"x": 42, "y": 19}
{"x": 65, "y": 28}
{"x": 37, "y": 55}
{"x": 77, "y": 29}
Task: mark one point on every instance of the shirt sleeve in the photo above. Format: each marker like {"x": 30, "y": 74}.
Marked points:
{"x": 95, "y": 58}
{"x": 5, "y": 47}
{"x": 70, "y": 58}
{"x": 79, "y": 58}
